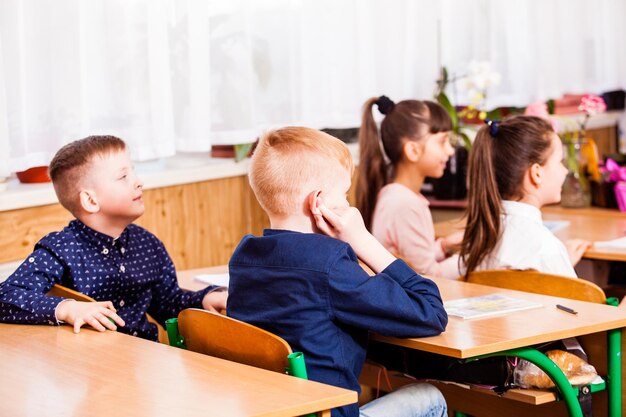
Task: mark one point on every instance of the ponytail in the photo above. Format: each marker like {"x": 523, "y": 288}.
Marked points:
{"x": 501, "y": 155}
{"x": 373, "y": 173}
{"x": 484, "y": 204}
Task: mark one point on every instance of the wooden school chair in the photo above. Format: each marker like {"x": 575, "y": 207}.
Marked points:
{"x": 58, "y": 290}
{"x": 523, "y": 402}
{"x": 224, "y": 337}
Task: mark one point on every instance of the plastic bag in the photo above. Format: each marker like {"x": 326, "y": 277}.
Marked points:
{"x": 577, "y": 371}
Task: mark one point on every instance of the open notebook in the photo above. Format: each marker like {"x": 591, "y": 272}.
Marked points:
{"x": 487, "y": 305}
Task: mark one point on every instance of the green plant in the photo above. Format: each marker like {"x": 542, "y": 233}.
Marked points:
{"x": 445, "y": 102}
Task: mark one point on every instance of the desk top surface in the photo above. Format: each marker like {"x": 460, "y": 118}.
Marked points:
{"x": 52, "y": 371}
{"x": 593, "y": 224}
{"x": 468, "y": 338}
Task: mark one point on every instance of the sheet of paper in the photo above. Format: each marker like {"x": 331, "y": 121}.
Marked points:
{"x": 554, "y": 225}
{"x": 213, "y": 279}
{"x": 487, "y": 305}
{"x": 619, "y": 243}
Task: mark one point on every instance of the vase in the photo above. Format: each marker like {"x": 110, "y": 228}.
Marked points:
{"x": 576, "y": 190}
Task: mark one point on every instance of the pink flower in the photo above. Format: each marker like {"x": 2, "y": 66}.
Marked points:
{"x": 591, "y": 104}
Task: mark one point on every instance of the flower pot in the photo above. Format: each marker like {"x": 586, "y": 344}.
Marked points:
{"x": 34, "y": 175}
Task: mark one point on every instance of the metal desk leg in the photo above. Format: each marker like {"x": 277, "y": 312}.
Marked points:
{"x": 615, "y": 372}
{"x": 568, "y": 393}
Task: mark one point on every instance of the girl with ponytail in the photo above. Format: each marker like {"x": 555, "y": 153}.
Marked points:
{"x": 515, "y": 168}
{"x": 412, "y": 144}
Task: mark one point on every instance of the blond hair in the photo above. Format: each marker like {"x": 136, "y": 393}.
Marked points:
{"x": 70, "y": 165}
{"x": 290, "y": 162}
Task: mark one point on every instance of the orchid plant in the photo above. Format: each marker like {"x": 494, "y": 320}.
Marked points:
{"x": 478, "y": 79}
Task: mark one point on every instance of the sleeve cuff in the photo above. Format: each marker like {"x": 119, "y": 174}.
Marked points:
{"x": 399, "y": 271}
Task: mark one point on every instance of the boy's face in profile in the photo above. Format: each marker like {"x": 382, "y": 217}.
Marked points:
{"x": 117, "y": 189}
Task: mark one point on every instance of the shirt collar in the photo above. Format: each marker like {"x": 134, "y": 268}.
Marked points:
{"x": 517, "y": 209}
{"x": 97, "y": 238}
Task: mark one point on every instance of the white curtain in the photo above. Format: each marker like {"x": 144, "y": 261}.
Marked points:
{"x": 542, "y": 48}
{"x": 181, "y": 75}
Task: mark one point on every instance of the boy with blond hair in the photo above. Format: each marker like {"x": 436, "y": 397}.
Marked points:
{"x": 302, "y": 280}
{"x": 100, "y": 253}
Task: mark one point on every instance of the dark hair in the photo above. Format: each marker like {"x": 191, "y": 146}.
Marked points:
{"x": 497, "y": 165}
{"x": 67, "y": 167}
{"x": 406, "y": 120}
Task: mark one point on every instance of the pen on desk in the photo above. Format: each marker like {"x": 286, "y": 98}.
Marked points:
{"x": 567, "y": 309}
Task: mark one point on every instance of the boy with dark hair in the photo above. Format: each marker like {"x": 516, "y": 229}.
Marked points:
{"x": 100, "y": 253}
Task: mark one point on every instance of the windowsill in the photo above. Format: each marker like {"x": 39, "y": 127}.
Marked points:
{"x": 177, "y": 170}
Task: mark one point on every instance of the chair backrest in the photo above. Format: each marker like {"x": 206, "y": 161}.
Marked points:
{"x": 227, "y": 338}
{"x": 58, "y": 290}
{"x": 540, "y": 283}
{"x": 61, "y": 291}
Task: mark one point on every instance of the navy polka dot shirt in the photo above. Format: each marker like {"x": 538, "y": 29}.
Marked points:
{"x": 133, "y": 271}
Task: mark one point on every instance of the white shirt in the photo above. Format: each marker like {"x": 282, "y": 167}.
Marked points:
{"x": 527, "y": 244}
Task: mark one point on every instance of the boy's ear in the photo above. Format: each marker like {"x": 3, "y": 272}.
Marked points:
{"x": 88, "y": 201}
{"x": 313, "y": 202}
{"x": 535, "y": 173}
{"x": 412, "y": 150}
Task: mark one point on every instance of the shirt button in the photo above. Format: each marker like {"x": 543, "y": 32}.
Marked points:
{"x": 122, "y": 303}
{"x": 122, "y": 250}
{"x": 31, "y": 259}
{"x": 105, "y": 251}
{"x": 122, "y": 268}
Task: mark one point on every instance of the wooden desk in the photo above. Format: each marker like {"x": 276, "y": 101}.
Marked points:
{"x": 593, "y": 224}
{"x": 471, "y": 338}
{"x": 53, "y": 372}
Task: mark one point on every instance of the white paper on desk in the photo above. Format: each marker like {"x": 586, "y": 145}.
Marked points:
{"x": 487, "y": 305}
{"x": 554, "y": 225}
{"x": 619, "y": 243}
{"x": 214, "y": 279}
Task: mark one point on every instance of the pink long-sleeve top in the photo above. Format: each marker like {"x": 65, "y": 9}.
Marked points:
{"x": 403, "y": 224}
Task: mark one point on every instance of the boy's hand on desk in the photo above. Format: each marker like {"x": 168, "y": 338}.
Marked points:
{"x": 215, "y": 301}
{"x": 95, "y": 314}
{"x": 576, "y": 248}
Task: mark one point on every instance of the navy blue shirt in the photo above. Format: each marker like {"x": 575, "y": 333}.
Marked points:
{"x": 310, "y": 290}
{"x": 133, "y": 271}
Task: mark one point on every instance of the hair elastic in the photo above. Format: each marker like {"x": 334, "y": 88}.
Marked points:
{"x": 385, "y": 104}
{"x": 493, "y": 127}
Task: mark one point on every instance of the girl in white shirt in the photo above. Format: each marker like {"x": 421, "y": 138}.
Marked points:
{"x": 515, "y": 168}
{"x": 413, "y": 143}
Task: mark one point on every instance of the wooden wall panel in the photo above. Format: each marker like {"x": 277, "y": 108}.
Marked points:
{"x": 199, "y": 223}
{"x": 21, "y": 229}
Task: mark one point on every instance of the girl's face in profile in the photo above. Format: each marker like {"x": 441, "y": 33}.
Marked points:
{"x": 436, "y": 152}
{"x": 554, "y": 173}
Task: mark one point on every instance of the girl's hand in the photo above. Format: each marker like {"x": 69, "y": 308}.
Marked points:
{"x": 452, "y": 243}
{"x": 95, "y": 314}
{"x": 576, "y": 248}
